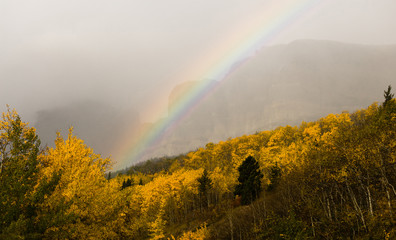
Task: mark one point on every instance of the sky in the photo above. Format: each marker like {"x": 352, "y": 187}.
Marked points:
{"x": 128, "y": 55}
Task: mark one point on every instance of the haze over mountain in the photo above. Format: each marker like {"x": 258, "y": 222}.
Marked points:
{"x": 280, "y": 85}
{"x": 285, "y": 85}
{"x": 100, "y": 126}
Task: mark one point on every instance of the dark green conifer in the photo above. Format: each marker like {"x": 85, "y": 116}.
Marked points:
{"x": 250, "y": 176}
{"x": 388, "y": 95}
{"x": 126, "y": 183}
{"x": 205, "y": 183}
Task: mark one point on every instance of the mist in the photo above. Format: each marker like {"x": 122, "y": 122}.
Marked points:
{"x": 68, "y": 58}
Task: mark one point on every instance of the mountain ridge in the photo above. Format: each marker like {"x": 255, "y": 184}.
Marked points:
{"x": 280, "y": 85}
{"x": 285, "y": 85}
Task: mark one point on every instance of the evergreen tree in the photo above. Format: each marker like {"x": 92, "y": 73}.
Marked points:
{"x": 126, "y": 183}
{"x": 388, "y": 95}
{"x": 250, "y": 176}
{"x": 205, "y": 183}
{"x": 129, "y": 182}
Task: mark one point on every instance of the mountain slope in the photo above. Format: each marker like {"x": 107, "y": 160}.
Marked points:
{"x": 286, "y": 84}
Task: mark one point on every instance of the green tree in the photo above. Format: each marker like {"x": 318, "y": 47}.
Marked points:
{"x": 127, "y": 183}
{"x": 205, "y": 184}
{"x": 388, "y": 95}
{"x": 19, "y": 147}
{"x": 250, "y": 176}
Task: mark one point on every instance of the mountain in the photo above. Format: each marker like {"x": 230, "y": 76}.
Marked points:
{"x": 285, "y": 85}
{"x": 99, "y": 125}
{"x": 280, "y": 85}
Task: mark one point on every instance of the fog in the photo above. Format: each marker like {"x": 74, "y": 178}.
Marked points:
{"x": 129, "y": 55}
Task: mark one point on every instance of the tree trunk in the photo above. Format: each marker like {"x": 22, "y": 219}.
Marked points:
{"x": 231, "y": 226}
{"x": 389, "y": 204}
{"x": 313, "y": 227}
{"x": 370, "y": 202}
{"x": 356, "y": 206}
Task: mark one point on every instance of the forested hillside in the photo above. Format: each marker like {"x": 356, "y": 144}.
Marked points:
{"x": 333, "y": 178}
{"x": 283, "y": 85}
{"x": 280, "y": 85}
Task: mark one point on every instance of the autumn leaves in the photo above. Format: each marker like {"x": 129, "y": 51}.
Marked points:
{"x": 332, "y": 178}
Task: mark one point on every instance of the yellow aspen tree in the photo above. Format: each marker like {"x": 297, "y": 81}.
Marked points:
{"x": 76, "y": 204}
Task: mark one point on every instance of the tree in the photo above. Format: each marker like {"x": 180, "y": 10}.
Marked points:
{"x": 127, "y": 183}
{"x": 19, "y": 147}
{"x": 388, "y": 95}
{"x": 80, "y": 206}
{"x": 250, "y": 176}
{"x": 205, "y": 183}
{"x": 274, "y": 177}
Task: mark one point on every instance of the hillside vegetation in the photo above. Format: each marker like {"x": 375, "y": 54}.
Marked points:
{"x": 329, "y": 179}
{"x": 283, "y": 84}
{"x": 279, "y": 85}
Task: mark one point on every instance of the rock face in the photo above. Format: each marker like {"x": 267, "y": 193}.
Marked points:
{"x": 285, "y": 85}
{"x": 280, "y": 85}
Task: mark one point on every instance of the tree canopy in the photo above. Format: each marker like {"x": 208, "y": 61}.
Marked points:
{"x": 249, "y": 187}
{"x": 333, "y": 178}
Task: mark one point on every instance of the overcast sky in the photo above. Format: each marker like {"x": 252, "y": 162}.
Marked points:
{"x": 129, "y": 53}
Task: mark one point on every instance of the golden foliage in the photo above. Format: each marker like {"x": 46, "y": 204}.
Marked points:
{"x": 200, "y": 233}
{"x": 337, "y": 169}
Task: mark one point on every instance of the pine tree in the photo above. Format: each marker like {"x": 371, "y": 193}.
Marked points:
{"x": 205, "y": 183}
{"x": 250, "y": 176}
{"x": 388, "y": 95}
{"x": 127, "y": 183}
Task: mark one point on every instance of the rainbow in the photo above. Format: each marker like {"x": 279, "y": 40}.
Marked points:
{"x": 238, "y": 48}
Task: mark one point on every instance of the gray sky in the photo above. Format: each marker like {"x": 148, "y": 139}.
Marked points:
{"x": 129, "y": 53}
